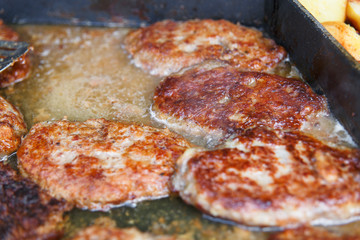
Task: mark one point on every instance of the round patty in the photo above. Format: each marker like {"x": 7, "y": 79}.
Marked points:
{"x": 21, "y": 68}
{"x": 99, "y": 232}
{"x": 312, "y": 233}
{"x": 12, "y": 128}
{"x": 98, "y": 164}
{"x": 210, "y": 101}
{"x": 168, "y": 46}
{"x": 272, "y": 178}
{"x": 27, "y": 212}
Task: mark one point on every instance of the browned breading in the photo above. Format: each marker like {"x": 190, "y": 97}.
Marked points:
{"x": 21, "y": 68}
{"x": 311, "y": 233}
{"x": 99, "y": 233}
{"x": 97, "y": 164}
{"x": 168, "y": 46}
{"x": 26, "y": 212}
{"x": 211, "y": 101}
{"x": 272, "y": 178}
{"x": 12, "y": 128}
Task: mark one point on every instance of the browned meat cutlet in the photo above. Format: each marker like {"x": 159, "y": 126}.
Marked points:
{"x": 168, "y": 46}
{"x": 27, "y": 212}
{"x": 12, "y": 128}
{"x": 98, "y": 164}
{"x": 99, "y": 233}
{"x": 272, "y": 178}
{"x": 311, "y": 233}
{"x": 21, "y": 68}
{"x": 211, "y": 101}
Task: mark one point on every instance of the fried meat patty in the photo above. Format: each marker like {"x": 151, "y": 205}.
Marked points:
{"x": 99, "y": 233}
{"x": 272, "y": 178}
{"x": 27, "y": 212}
{"x": 21, "y": 68}
{"x": 97, "y": 164}
{"x": 311, "y": 233}
{"x": 12, "y": 128}
{"x": 211, "y": 101}
{"x": 168, "y": 46}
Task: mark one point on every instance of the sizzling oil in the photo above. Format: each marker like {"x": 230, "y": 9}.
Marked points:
{"x": 80, "y": 73}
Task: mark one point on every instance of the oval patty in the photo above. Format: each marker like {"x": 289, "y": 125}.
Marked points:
{"x": 12, "y": 128}
{"x": 27, "y": 212}
{"x": 168, "y": 46}
{"x": 211, "y": 101}
{"x": 272, "y": 178}
{"x": 97, "y": 164}
{"x": 102, "y": 232}
{"x": 21, "y": 68}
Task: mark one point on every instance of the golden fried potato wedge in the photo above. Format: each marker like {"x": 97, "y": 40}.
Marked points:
{"x": 353, "y": 13}
{"x": 346, "y": 35}
{"x": 326, "y": 10}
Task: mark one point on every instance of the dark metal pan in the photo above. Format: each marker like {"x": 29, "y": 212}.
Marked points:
{"x": 323, "y": 62}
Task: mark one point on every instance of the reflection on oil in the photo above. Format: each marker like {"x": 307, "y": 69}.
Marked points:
{"x": 81, "y": 73}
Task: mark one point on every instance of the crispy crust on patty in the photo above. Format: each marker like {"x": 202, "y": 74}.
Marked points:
{"x": 12, "y": 128}
{"x": 272, "y": 178}
{"x": 211, "y": 101}
{"x": 27, "y": 212}
{"x": 312, "y": 233}
{"x": 167, "y": 46}
{"x": 97, "y": 164}
{"x": 99, "y": 232}
{"x": 21, "y": 68}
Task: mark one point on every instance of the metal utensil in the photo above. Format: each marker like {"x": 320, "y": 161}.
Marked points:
{"x": 10, "y": 51}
